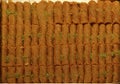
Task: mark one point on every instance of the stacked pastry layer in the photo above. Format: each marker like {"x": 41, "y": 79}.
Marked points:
{"x": 61, "y": 42}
